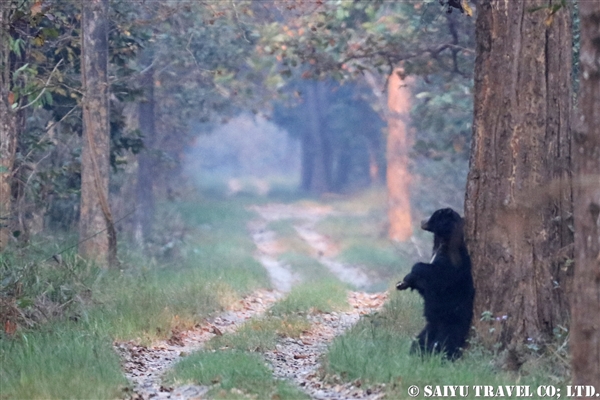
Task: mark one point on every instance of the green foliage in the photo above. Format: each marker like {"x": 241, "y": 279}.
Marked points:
{"x": 46, "y": 92}
{"x": 358, "y": 40}
{"x": 442, "y": 115}
{"x": 235, "y": 375}
{"x": 41, "y": 287}
{"x": 345, "y": 39}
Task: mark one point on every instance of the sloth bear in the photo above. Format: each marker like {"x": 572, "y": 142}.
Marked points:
{"x": 446, "y": 285}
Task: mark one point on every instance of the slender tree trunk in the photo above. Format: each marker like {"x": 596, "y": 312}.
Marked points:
{"x": 585, "y": 321}
{"x": 398, "y": 176}
{"x": 373, "y": 162}
{"x": 145, "y": 181}
{"x": 96, "y": 228}
{"x": 518, "y": 204}
{"x": 8, "y": 128}
{"x": 318, "y": 182}
{"x": 306, "y": 168}
{"x": 376, "y": 168}
{"x": 343, "y": 165}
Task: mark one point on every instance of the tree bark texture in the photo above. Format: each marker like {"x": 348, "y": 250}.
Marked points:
{"x": 8, "y": 128}
{"x": 585, "y": 319}
{"x": 96, "y": 229}
{"x": 518, "y": 204}
{"x": 397, "y": 174}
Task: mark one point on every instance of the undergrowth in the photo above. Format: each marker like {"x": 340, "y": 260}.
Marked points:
{"x": 63, "y": 313}
{"x": 377, "y": 351}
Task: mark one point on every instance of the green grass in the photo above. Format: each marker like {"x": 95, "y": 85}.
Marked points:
{"x": 208, "y": 267}
{"x": 325, "y": 295}
{"x": 363, "y": 242}
{"x": 377, "y": 351}
{"x": 306, "y": 266}
{"x": 60, "y": 362}
{"x": 285, "y": 318}
{"x": 234, "y": 374}
{"x": 259, "y": 335}
{"x": 233, "y": 362}
{"x": 385, "y": 260}
{"x": 288, "y": 237}
{"x": 215, "y": 267}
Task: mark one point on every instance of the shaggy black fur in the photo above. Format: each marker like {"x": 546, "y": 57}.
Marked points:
{"x": 446, "y": 285}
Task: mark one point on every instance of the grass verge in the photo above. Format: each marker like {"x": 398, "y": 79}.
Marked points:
{"x": 232, "y": 364}
{"x": 377, "y": 351}
{"x": 60, "y": 362}
{"x": 306, "y": 266}
{"x": 233, "y": 375}
{"x": 261, "y": 334}
{"x": 69, "y": 313}
{"x": 325, "y": 295}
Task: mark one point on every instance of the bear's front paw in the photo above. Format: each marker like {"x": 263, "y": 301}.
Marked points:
{"x": 402, "y": 285}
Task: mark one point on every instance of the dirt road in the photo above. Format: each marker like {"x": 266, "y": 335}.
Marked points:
{"x": 297, "y": 360}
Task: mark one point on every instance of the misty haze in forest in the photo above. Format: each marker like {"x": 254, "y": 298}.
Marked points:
{"x": 170, "y": 166}
{"x": 247, "y": 153}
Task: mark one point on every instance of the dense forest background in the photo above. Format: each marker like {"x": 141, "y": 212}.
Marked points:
{"x": 136, "y": 136}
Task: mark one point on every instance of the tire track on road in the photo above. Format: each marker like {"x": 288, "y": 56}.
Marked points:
{"x": 298, "y": 360}
{"x": 145, "y": 366}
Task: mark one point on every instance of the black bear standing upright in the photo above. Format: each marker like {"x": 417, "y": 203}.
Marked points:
{"x": 446, "y": 285}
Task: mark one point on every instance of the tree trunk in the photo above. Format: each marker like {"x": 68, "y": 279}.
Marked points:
{"x": 145, "y": 181}
{"x": 96, "y": 229}
{"x": 8, "y": 129}
{"x": 343, "y": 165}
{"x": 307, "y": 162}
{"x": 398, "y": 176}
{"x": 373, "y": 162}
{"x": 318, "y": 181}
{"x": 519, "y": 198}
{"x": 585, "y": 320}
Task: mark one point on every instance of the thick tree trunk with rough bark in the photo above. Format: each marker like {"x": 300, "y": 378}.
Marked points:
{"x": 8, "y": 128}
{"x": 96, "y": 229}
{"x": 585, "y": 319}
{"x": 398, "y": 176}
{"x": 519, "y": 198}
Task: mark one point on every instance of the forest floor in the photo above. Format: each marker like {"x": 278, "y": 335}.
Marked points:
{"x": 296, "y": 359}
{"x": 244, "y": 300}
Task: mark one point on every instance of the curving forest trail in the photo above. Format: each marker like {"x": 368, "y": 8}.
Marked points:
{"x": 296, "y": 360}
